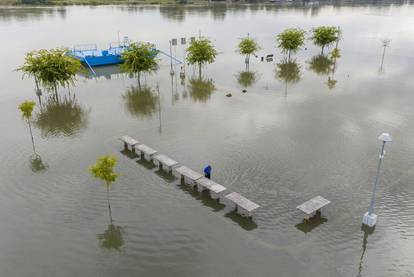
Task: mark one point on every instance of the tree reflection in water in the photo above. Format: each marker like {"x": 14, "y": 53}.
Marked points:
{"x": 201, "y": 89}
{"x": 61, "y": 118}
{"x": 321, "y": 64}
{"x": 246, "y": 78}
{"x": 288, "y": 71}
{"x": 141, "y": 102}
{"x": 112, "y": 237}
{"x": 36, "y": 163}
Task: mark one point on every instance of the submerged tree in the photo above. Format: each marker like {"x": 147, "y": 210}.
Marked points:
{"x": 201, "y": 51}
{"x": 334, "y": 55}
{"x": 201, "y": 89}
{"x": 291, "y": 40}
{"x": 325, "y": 36}
{"x": 51, "y": 68}
{"x": 104, "y": 170}
{"x": 65, "y": 118}
{"x": 138, "y": 58}
{"x": 26, "y": 109}
{"x": 288, "y": 71}
{"x": 248, "y": 46}
{"x": 246, "y": 78}
{"x": 140, "y": 102}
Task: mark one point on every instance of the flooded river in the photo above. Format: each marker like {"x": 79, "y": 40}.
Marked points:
{"x": 302, "y": 129}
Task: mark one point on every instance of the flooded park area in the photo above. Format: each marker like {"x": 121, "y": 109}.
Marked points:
{"x": 302, "y": 128}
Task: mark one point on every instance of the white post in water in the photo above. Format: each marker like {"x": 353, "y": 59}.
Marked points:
{"x": 370, "y": 219}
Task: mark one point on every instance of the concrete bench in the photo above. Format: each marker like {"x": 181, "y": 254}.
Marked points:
{"x": 129, "y": 142}
{"x": 214, "y": 189}
{"x": 188, "y": 175}
{"x": 313, "y": 206}
{"x": 145, "y": 150}
{"x": 244, "y": 206}
{"x": 164, "y": 162}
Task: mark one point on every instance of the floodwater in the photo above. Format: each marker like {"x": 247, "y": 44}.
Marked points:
{"x": 303, "y": 129}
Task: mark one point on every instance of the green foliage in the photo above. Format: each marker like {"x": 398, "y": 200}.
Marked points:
{"x": 325, "y": 35}
{"x": 201, "y": 51}
{"x": 335, "y": 53}
{"x": 27, "y": 109}
{"x": 248, "y": 46}
{"x": 291, "y": 40}
{"x": 51, "y": 68}
{"x": 246, "y": 78}
{"x": 140, "y": 102}
{"x": 140, "y": 57}
{"x": 104, "y": 169}
{"x": 288, "y": 71}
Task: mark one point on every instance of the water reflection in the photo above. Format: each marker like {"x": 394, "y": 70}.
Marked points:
{"x": 107, "y": 72}
{"x": 367, "y": 232}
{"x": 385, "y": 44}
{"x": 141, "y": 102}
{"x": 244, "y": 222}
{"x": 307, "y": 226}
{"x": 200, "y": 89}
{"x": 61, "y": 118}
{"x": 320, "y": 64}
{"x": 112, "y": 237}
{"x": 246, "y": 78}
{"x": 30, "y": 14}
{"x": 37, "y": 165}
{"x": 288, "y": 71}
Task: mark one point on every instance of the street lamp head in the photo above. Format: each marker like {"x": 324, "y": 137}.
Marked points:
{"x": 385, "y": 137}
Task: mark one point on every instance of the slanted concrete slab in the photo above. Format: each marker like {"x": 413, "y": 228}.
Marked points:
{"x": 129, "y": 142}
{"x": 313, "y": 205}
{"x": 188, "y": 175}
{"x": 164, "y": 162}
{"x": 146, "y": 150}
{"x": 244, "y": 206}
{"x": 206, "y": 184}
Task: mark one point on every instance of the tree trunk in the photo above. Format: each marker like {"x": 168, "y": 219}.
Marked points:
{"x": 199, "y": 71}
{"x": 322, "y": 49}
{"x": 109, "y": 204}
{"x": 56, "y": 92}
{"x": 289, "y": 55}
{"x": 139, "y": 80}
{"x": 31, "y": 135}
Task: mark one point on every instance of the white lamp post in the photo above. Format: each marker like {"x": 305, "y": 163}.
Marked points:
{"x": 370, "y": 219}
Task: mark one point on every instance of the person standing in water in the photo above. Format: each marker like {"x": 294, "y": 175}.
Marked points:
{"x": 207, "y": 172}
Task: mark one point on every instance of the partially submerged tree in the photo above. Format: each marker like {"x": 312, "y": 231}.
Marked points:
{"x": 26, "y": 109}
{"x": 324, "y": 36}
{"x": 248, "y": 46}
{"x": 104, "y": 170}
{"x": 291, "y": 40}
{"x": 139, "y": 58}
{"x": 51, "y": 68}
{"x": 201, "y": 51}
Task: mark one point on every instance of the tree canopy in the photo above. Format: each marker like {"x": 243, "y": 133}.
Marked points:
{"x": 248, "y": 46}
{"x": 140, "y": 57}
{"x": 201, "y": 51}
{"x": 291, "y": 40}
{"x": 27, "y": 109}
{"x": 324, "y": 36}
{"x": 104, "y": 169}
{"x": 51, "y": 68}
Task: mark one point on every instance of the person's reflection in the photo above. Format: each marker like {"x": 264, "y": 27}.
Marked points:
{"x": 367, "y": 231}
{"x": 141, "y": 102}
{"x": 201, "y": 89}
{"x": 63, "y": 118}
{"x": 246, "y": 78}
{"x": 288, "y": 71}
